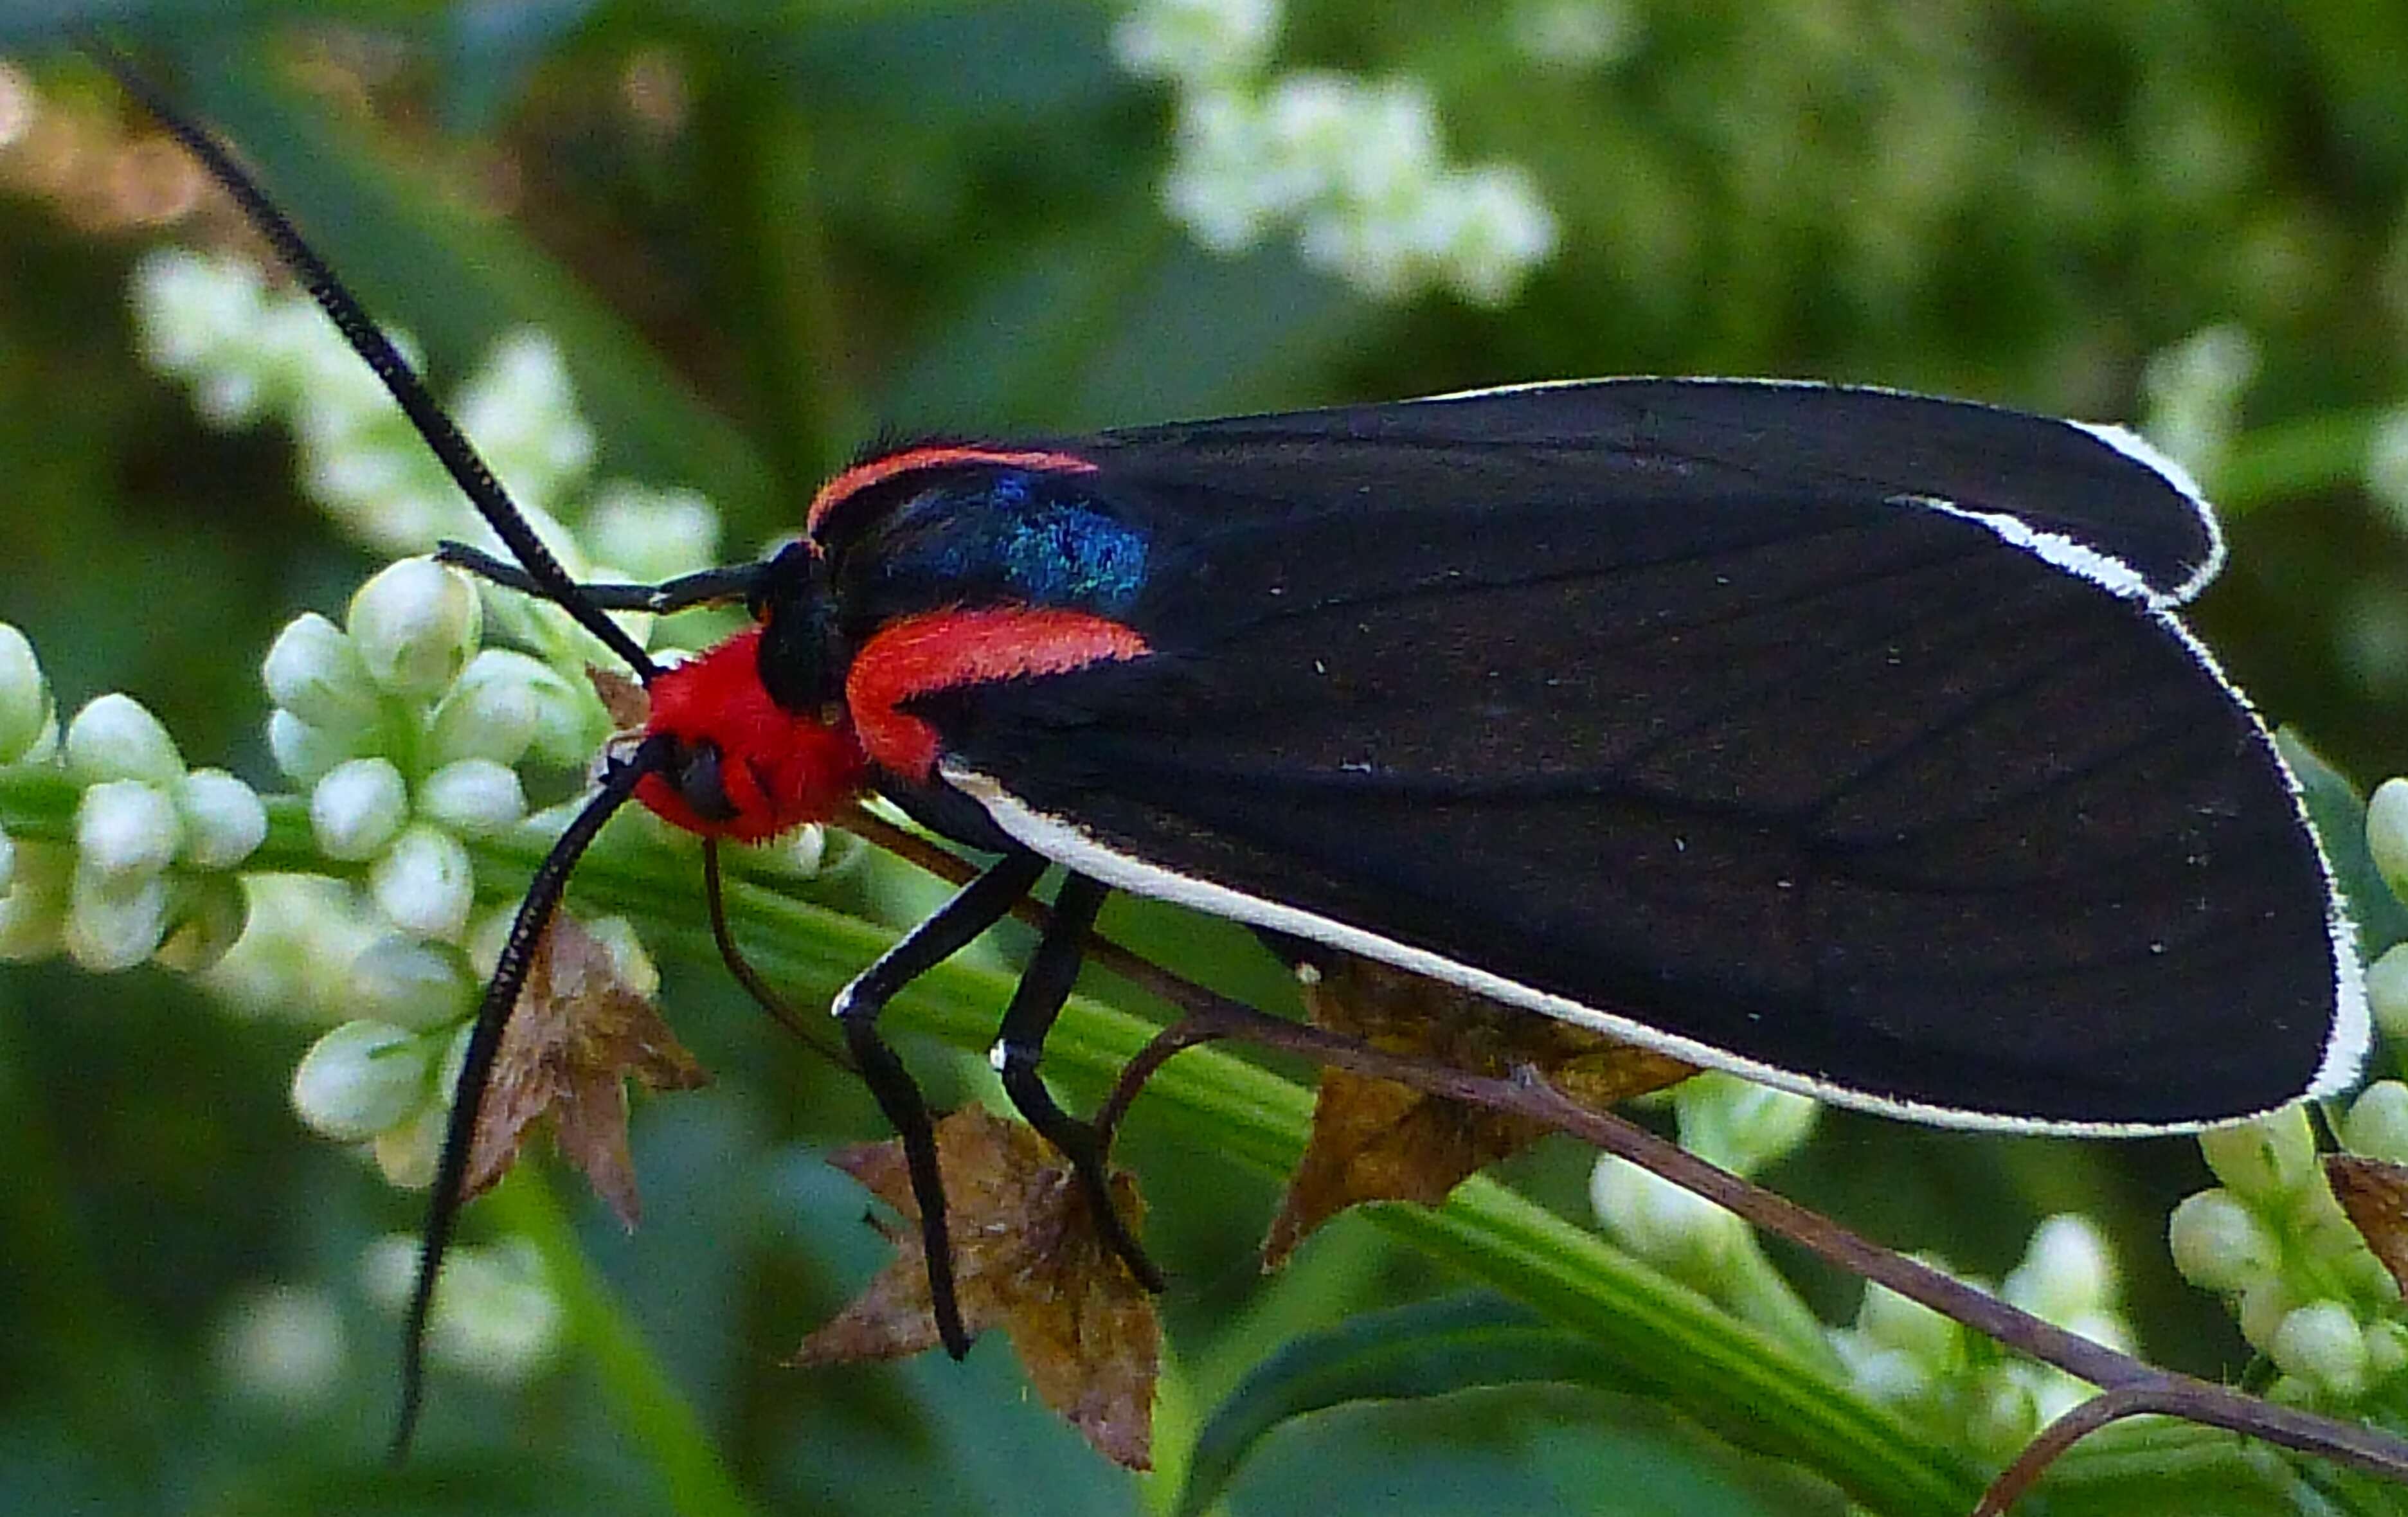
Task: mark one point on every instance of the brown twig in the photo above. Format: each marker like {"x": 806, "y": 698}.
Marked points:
{"x": 2132, "y": 1386}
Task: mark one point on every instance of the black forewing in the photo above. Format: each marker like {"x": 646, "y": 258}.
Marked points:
{"x": 1677, "y": 442}
{"x": 1844, "y": 786}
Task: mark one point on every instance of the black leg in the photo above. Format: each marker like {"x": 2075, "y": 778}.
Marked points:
{"x": 978, "y": 905}
{"x": 1018, "y": 1049}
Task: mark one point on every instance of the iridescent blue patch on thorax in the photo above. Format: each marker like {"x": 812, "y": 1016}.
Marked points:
{"x": 1025, "y": 534}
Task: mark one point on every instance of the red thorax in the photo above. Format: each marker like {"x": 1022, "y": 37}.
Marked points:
{"x": 780, "y": 770}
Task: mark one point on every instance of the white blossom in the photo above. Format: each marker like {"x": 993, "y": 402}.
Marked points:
{"x": 116, "y": 737}
{"x": 424, "y": 882}
{"x": 361, "y": 1079}
{"x": 415, "y": 624}
{"x": 358, "y": 808}
{"x": 25, "y": 696}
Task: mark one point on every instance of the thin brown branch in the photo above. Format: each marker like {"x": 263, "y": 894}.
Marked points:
{"x": 2132, "y": 1385}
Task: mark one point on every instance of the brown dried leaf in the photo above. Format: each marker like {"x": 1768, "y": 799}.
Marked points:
{"x": 1374, "y": 1141}
{"x": 622, "y": 695}
{"x": 2374, "y": 1195}
{"x": 578, "y": 1036}
{"x": 1027, "y": 1258}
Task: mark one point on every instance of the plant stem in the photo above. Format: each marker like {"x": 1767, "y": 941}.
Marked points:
{"x": 650, "y": 1409}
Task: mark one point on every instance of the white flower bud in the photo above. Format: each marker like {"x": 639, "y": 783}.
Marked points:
{"x": 1739, "y": 1125}
{"x": 2105, "y": 1329}
{"x": 1572, "y": 35}
{"x": 496, "y": 1316}
{"x": 1672, "y": 1228}
{"x": 474, "y": 796}
{"x": 2377, "y": 1123}
{"x": 389, "y": 1270}
{"x": 2002, "y": 1416}
{"x": 315, "y": 671}
{"x": 125, "y": 828}
{"x": 308, "y": 754}
{"x": 1891, "y": 1376}
{"x": 425, "y": 883}
{"x": 407, "y": 1155}
{"x": 652, "y": 535}
{"x": 570, "y": 723}
{"x": 2065, "y": 1272}
{"x": 223, "y": 819}
{"x": 116, "y": 737}
{"x": 2386, "y": 833}
{"x": 284, "y": 1345}
{"x": 337, "y": 396}
{"x": 189, "y": 307}
{"x": 1224, "y": 185}
{"x": 2219, "y": 1244}
{"x": 492, "y": 710}
{"x": 1195, "y": 41}
{"x": 2386, "y": 991}
{"x": 2322, "y": 1343}
{"x": 34, "y": 908}
{"x": 2265, "y": 1304}
{"x": 8, "y": 861}
{"x": 803, "y": 852}
{"x": 361, "y": 1079}
{"x": 2263, "y": 1160}
{"x": 1911, "y": 1327}
{"x": 206, "y": 914}
{"x": 1487, "y": 228}
{"x": 358, "y": 808}
{"x": 636, "y": 973}
{"x": 115, "y": 925}
{"x": 407, "y": 983}
{"x": 25, "y": 696}
{"x": 522, "y": 410}
{"x": 415, "y": 625}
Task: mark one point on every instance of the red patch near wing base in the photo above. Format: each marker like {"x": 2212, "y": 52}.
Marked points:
{"x": 940, "y": 649}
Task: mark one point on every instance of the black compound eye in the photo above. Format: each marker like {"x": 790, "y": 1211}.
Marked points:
{"x": 698, "y": 783}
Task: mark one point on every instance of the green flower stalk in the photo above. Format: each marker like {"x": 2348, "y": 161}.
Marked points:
{"x": 406, "y": 737}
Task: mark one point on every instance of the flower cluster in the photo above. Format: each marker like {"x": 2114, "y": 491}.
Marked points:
{"x": 494, "y": 1314}
{"x": 1355, "y": 169}
{"x": 405, "y": 734}
{"x": 250, "y": 352}
{"x": 1897, "y": 1352}
{"x": 1933, "y": 1369}
{"x": 410, "y": 742}
{"x": 148, "y": 874}
{"x": 1743, "y": 1127}
{"x": 2271, "y": 1237}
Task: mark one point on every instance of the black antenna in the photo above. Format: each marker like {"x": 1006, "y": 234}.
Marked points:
{"x": 511, "y": 972}
{"x": 443, "y": 437}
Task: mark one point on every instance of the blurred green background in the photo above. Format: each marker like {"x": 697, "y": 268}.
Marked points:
{"x": 762, "y": 233}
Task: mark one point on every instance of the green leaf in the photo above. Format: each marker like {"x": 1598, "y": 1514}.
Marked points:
{"x": 2338, "y": 814}
{"x": 490, "y": 50}
{"x": 1428, "y": 1348}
